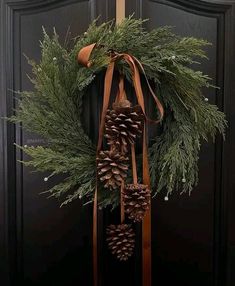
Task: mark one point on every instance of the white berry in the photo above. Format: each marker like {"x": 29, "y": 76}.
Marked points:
{"x": 183, "y": 180}
{"x": 173, "y": 57}
{"x": 166, "y": 198}
{"x": 54, "y": 59}
{"x": 25, "y": 146}
{"x": 80, "y": 196}
{"x": 45, "y": 179}
{"x": 206, "y": 99}
{"x": 85, "y": 33}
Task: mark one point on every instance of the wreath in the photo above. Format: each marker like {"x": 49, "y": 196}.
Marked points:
{"x": 157, "y": 62}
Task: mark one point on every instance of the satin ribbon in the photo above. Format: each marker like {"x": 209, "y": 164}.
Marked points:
{"x": 135, "y": 65}
{"x": 121, "y": 95}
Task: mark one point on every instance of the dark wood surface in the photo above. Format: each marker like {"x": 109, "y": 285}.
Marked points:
{"x": 40, "y": 243}
{"x": 193, "y": 237}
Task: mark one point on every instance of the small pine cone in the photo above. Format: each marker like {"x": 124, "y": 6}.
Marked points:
{"x": 123, "y": 124}
{"x": 136, "y": 198}
{"x": 120, "y": 239}
{"x": 112, "y": 168}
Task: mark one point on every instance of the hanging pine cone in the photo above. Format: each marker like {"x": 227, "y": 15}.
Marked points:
{"x": 121, "y": 240}
{"x": 112, "y": 168}
{"x": 136, "y": 198}
{"x": 123, "y": 124}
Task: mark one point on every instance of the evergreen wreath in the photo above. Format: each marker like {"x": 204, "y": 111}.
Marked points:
{"x": 53, "y": 110}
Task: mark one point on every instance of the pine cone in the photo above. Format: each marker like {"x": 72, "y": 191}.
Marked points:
{"x": 136, "y": 198}
{"x": 112, "y": 168}
{"x": 121, "y": 240}
{"x": 123, "y": 124}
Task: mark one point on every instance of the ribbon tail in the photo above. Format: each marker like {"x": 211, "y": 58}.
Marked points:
{"x": 146, "y": 249}
{"x": 95, "y": 246}
{"x": 107, "y": 91}
{"x": 146, "y": 224}
{"x": 122, "y": 203}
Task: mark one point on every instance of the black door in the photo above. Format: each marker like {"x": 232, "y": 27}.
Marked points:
{"x": 40, "y": 243}
{"x": 193, "y": 237}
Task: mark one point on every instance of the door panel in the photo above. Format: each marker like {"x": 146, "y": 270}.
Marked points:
{"x": 46, "y": 245}
{"x": 190, "y": 232}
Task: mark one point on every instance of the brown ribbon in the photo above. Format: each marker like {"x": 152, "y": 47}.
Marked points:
{"x": 134, "y": 64}
{"x": 121, "y": 95}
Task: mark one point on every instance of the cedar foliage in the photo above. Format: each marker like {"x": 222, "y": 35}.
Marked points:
{"x": 53, "y": 109}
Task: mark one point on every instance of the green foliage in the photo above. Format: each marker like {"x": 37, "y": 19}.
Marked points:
{"x": 53, "y": 109}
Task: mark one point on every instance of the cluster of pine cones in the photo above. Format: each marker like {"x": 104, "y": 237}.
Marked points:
{"x": 123, "y": 125}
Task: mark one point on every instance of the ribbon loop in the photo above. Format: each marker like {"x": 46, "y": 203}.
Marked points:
{"x": 84, "y": 59}
{"x": 84, "y": 55}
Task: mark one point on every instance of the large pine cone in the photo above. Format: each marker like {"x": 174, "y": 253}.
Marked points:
{"x": 136, "y": 198}
{"x": 112, "y": 168}
{"x": 123, "y": 124}
{"x": 121, "y": 240}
